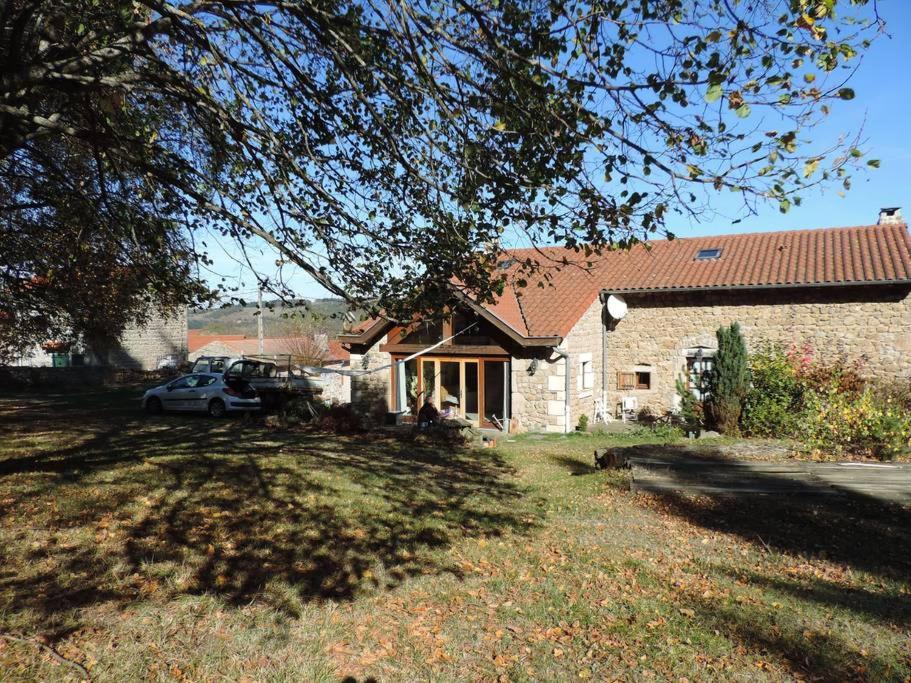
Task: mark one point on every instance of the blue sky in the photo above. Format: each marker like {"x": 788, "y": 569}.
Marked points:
{"x": 882, "y": 106}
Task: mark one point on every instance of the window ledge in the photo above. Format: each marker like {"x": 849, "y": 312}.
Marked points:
{"x": 585, "y": 394}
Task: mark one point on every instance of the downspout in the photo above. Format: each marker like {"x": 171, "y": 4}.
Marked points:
{"x": 602, "y": 297}
{"x": 566, "y": 390}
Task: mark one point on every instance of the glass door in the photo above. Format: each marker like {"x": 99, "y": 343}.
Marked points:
{"x": 477, "y": 389}
{"x": 470, "y": 391}
{"x": 429, "y": 382}
{"x": 451, "y": 387}
{"x": 496, "y": 393}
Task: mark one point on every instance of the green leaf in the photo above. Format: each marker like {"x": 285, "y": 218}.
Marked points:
{"x": 500, "y": 126}
{"x": 743, "y": 110}
{"x": 846, "y": 94}
{"x": 784, "y": 206}
{"x": 873, "y": 163}
{"x": 810, "y": 167}
{"x": 713, "y": 94}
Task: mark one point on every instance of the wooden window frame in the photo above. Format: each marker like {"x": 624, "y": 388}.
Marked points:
{"x": 461, "y": 360}
{"x": 630, "y": 381}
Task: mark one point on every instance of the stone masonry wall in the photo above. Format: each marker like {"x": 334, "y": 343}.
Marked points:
{"x": 336, "y": 387}
{"x": 870, "y": 322}
{"x": 371, "y": 393}
{"x": 584, "y": 344}
{"x": 537, "y": 399}
{"x": 142, "y": 347}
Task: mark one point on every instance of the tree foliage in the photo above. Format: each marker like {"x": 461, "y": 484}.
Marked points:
{"x": 729, "y": 380}
{"x": 375, "y": 145}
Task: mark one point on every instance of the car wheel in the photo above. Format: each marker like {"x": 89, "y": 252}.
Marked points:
{"x": 153, "y": 406}
{"x": 217, "y": 408}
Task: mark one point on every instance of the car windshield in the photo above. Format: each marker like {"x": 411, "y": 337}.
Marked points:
{"x": 250, "y": 369}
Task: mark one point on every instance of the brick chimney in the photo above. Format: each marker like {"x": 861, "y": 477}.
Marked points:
{"x": 890, "y": 216}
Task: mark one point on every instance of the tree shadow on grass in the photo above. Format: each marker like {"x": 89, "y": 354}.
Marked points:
{"x": 801, "y": 515}
{"x": 575, "y": 466}
{"x": 811, "y": 655}
{"x": 814, "y": 519}
{"x": 151, "y": 509}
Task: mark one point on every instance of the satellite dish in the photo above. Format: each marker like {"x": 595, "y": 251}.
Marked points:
{"x": 616, "y": 306}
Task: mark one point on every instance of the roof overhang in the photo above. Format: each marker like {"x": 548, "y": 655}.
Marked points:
{"x": 507, "y": 329}
{"x": 372, "y": 334}
{"x": 728, "y": 288}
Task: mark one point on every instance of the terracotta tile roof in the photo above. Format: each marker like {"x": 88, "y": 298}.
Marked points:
{"x": 240, "y": 345}
{"x": 337, "y": 352}
{"x": 830, "y": 256}
{"x": 197, "y": 339}
{"x": 507, "y": 309}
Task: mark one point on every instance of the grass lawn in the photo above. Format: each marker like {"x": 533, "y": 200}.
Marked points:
{"x": 181, "y": 548}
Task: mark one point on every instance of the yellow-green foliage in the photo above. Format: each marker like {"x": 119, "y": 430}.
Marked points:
{"x": 774, "y": 404}
{"x": 837, "y": 423}
{"x": 827, "y": 405}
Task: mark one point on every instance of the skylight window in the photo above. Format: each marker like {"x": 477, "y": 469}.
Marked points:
{"x": 708, "y": 254}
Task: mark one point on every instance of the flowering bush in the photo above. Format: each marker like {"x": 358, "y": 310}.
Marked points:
{"x": 822, "y": 376}
{"x": 838, "y": 422}
{"x": 828, "y": 405}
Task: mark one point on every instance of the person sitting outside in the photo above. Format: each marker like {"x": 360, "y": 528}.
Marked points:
{"x": 428, "y": 414}
{"x": 450, "y": 408}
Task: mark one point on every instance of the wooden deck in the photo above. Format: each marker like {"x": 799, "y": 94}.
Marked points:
{"x": 881, "y": 481}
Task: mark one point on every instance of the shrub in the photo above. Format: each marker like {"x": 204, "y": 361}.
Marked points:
{"x": 729, "y": 380}
{"x": 897, "y": 392}
{"x": 340, "y": 419}
{"x": 841, "y": 375}
{"x": 583, "y": 423}
{"x": 838, "y": 422}
{"x": 774, "y": 405}
{"x": 692, "y": 411}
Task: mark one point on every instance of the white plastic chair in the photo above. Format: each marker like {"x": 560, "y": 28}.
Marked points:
{"x": 601, "y": 413}
{"x": 629, "y": 407}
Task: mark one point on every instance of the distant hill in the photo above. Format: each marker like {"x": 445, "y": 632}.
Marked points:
{"x": 327, "y": 314}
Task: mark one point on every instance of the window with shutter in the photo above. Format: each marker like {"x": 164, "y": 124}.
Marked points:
{"x": 626, "y": 381}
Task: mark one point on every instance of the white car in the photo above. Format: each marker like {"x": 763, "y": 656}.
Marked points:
{"x": 202, "y": 392}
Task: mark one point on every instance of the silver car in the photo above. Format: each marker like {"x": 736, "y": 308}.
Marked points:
{"x": 202, "y": 392}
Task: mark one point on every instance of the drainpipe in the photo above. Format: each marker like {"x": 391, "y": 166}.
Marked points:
{"x": 568, "y": 384}
{"x": 602, "y": 297}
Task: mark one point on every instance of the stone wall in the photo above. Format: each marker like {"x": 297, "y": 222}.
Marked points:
{"x": 336, "y": 387}
{"x": 869, "y": 322}
{"x": 142, "y": 347}
{"x": 584, "y": 344}
{"x": 537, "y": 400}
{"x": 372, "y": 393}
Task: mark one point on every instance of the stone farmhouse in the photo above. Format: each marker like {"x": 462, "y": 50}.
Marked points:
{"x": 141, "y": 347}
{"x": 618, "y": 330}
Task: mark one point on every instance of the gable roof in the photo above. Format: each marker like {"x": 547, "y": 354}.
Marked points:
{"x": 832, "y": 256}
{"x": 568, "y": 282}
